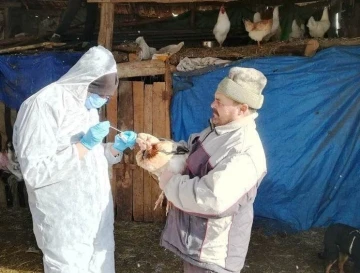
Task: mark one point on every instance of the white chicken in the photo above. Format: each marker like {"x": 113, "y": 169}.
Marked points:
{"x": 317, "y": 29}
{"x": 145, "y": 52}
{"x": 275, "y": 26}
{"x": 170, "y": 49}
{"x": 297, "y": 32}
{"x": 166, "y": 52}
{"x": 222, "y": 26}
{"x": 257, "y": 17}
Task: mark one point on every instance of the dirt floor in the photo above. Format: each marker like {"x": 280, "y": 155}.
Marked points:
{"x": 138, "y": 250}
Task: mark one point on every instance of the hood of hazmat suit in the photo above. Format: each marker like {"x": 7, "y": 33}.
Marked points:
{"x": 70, "y": 199}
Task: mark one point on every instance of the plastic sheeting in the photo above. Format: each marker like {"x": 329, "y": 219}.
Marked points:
{"x": 23, "y": 75}
{"x": 310, "y": 129}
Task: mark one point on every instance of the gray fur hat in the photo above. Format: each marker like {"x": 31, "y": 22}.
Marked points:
{"x": 244, "y": 85}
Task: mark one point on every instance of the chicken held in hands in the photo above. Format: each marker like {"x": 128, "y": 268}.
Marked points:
{"x": 222, "y": 26}
{"x": 159, "y": 155}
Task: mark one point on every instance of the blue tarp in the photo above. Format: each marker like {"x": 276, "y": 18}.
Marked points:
{"x": 310, "y": 127}
{"x": 23, "y": 75}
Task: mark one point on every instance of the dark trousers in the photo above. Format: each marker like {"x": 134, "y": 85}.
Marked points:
{"x": 189, "y": 268}
{"x": 70, "y": 13}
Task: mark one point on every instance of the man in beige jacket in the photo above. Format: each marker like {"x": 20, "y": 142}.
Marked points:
{"x": 210, "y": 223}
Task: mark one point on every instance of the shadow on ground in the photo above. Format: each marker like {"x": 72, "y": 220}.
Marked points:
{"x": 138, "y": 250}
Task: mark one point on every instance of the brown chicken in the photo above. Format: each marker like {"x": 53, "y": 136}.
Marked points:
{"x": 258, "y": 30}
{"x": 157, "y": 156}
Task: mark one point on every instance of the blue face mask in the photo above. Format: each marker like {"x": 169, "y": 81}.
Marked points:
{"x": 95, "y": 101}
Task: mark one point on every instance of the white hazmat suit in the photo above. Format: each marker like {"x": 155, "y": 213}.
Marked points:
{"x": 70, "y": 199}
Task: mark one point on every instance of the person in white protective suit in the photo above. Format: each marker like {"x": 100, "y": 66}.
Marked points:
{"x": 58, "y": 141}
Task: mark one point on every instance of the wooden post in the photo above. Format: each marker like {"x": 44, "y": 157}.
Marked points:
{"x": 106, "y": 25}
{"x": 105, "y": 38}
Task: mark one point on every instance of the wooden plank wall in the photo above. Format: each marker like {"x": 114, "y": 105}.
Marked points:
{"x": 143, "y": 108}
{"x": 138, "y": 180}
{"x": 124, "y": 169}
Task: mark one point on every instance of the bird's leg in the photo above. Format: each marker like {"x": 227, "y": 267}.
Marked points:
{"x": 258, "y": 42}
{"x": 160, "y": 200}
{"x": 168, "y": 207}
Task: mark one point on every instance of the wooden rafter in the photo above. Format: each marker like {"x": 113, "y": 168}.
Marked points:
{"x": 157, "y": 1}
{"x": 197, "y": 1}
{"x": 10, "y": 4}
{"x": 299, "y": 47}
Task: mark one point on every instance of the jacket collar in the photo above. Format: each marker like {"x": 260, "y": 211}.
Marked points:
{"x": 237, "y": 124}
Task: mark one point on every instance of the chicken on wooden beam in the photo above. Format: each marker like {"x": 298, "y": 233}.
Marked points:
{"x": 275, "y": 31}
{"x": 222, "y": 26}
{"x": 166, "y": 52}
{"x": 145, "y": 52}
{"x": 297, "y": 32}
{"x": 317, "y": 29}
{"x": 264, "y": 28}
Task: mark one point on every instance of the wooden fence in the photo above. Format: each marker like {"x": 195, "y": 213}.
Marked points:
{"x": 142, "y": 108}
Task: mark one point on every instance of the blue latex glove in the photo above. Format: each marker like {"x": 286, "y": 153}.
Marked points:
{"x": 95, "y": 135}
{"x": 126, "y": 139}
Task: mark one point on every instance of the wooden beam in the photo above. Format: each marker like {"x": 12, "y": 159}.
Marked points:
{"x": 132, "y": 48}
{"x": 23, "y": 48}
{"x": 140, "y": 68}
{"x": 156, "y": 1}
{"x": 197, "y": 1}
{"x": 10, "y": 4}
{"x": 106, "y": 30}
{"x": 16, "y": 40}
{"x": 266, "y": 49}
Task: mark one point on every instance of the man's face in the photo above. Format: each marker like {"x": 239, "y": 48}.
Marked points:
{"x": 225, "y": 110}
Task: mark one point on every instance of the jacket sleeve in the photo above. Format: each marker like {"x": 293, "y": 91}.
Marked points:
{"x": 42, "y": 162}
{"x": 220, "y": 192}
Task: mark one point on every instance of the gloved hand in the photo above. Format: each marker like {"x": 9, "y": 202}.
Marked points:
{"x": 95, "y": 134}
{"x": 125, "y": 140}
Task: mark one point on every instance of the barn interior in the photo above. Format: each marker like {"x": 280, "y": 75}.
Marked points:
{"x": 30, "y": 60}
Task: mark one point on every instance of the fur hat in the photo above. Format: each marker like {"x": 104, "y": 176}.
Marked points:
{"x": 244, "y": 85}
